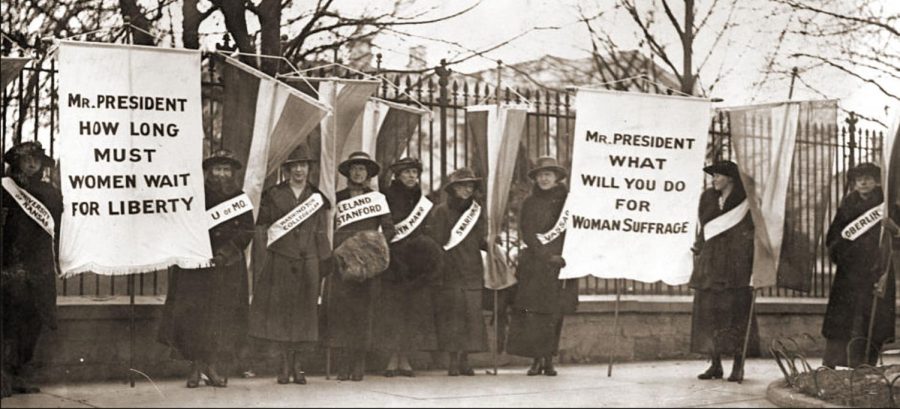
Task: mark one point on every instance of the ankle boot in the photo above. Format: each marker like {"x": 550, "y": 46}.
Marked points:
{"x": 714, "y": 371}
{"x": 549, "y": 370}
{"x": 343, "y": 364}
{"x": 284, "y": 372}
{"x": 464, "y": 368}
{"x": 193, "y": 380}
{"x": 737, "y": 370}
{"x": 359, "y": 366}
{"x": 296, "y": 370}
{"x": 536, "y": 367}
{"x": 214, "y": 378}
{"x": 453, "y": 366}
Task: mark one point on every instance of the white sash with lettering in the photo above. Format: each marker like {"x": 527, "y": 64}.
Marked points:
{"x": 414, "y": 220}
{"x": 294, "y": 218}
{"x": 32, "y": 207}
{"x": 463, "y": 226}
{"x": 229, "y": 209}
{"x": 863, "y": 223}
{"x": 361, "y": 207}
{"x": 726, "y": 221}
{"x": 556, "y": 230}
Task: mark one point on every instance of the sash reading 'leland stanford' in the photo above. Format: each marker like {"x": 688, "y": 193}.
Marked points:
{"x": 863, "y": 223}
{"x": 361, "y": 207}
{"x": 406, "y": 226}
{"x": 556, "y": 231}
{"x": 229, "y": 209}
{"x": 32, "y": 207}
{"x": 294, "y": 218}
{"x": 725, "y": 221}
{"x": 463, "y": 226}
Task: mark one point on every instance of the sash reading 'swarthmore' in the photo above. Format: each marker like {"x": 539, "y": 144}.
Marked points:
{"x": 463, "y": 226}
{"x": 294, "y": 218}
{"x": 361, "y": 207}
{"x": 229, "y": 209}
{"x": 32, "y": 207}
{"x": 726, "y": 221}
{"x": 556, "y": 230}
{"x": 863, "y": 223}
{"x": 414, "y": 220}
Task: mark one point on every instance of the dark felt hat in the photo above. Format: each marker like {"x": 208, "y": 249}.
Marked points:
{"x": 300, "y": 154}
{"x": 361, "y": 158}
{"x": 548, "y": 163}
{"x": 865, "y": 169}
{"x": 222, "y": 156}
{"x": 406, "y": 163}
{"x": 462, "y": 175}
{"x": 724, "y": 167}
{"x": 30, "y": 148}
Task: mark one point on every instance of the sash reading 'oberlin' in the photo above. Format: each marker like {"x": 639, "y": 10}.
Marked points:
{"x": 463, "y": 226}
{"x": 556, "y": 231}
{"x": 725, "y": 221}
{"x": 414, "y": 220}
{"x": 863, "y": 223}
{"x": 32, "y": 207}
{"x": 229, "y": 209}
{"x": 294, "y": 218}
{"x": 361, "y": 207}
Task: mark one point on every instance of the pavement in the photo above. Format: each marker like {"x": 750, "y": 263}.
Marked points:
{"x": 639, "y": 384}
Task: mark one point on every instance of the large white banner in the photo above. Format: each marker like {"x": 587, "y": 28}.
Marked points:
{"x": 637, "y": 176}
{"x": 130, "y": 159}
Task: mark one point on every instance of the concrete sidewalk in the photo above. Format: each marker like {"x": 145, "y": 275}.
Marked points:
{"x": 642, "y": 384}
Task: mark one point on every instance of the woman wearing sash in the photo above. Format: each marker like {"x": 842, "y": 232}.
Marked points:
{"x": 205, "y": 315}
{"x": 459, "y": 226}
{"x": 29, "y": 262}
{"x": 541, "y": 298}
{"x": 404, "y": 318}
{"x": 284, "y": 311}
{"x": 721, "y": 276}
{"x": 351, "y": 296}
{"x": 853, "y": 244}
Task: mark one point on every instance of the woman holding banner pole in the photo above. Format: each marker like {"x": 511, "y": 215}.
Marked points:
{"x": 721, "y": 277}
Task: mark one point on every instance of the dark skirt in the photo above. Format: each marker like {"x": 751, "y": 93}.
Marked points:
{"x": 719, "y": 322}
{"x": 404, "y": 318}
{"x": 533, "y": 334}
{"x": 285, "y": 301}
{"x": 349, "y": 313}
{"x": 459, "y": 320}
{"x": 22, "y": 322}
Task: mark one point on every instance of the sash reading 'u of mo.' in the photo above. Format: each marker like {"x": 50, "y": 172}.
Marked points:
{"x": 863, "y": 223}
{"x": 556, "y": 231}
{"x": 463, "y": 226}
{"x": 32, "y": 207}
{"x": 294, "y": 218}
{"x": 414, "y": 220}
{"x": 360, "y": 207}
{"x": 229, "y": 209}
{"x": 725, "y": 221}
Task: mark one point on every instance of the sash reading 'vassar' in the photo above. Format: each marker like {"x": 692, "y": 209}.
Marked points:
{"x": 414, "y": 220}
{"x": 463, "y": 226}
{"x": 294, "y": 217}
{"x": 726, "y": 221}
{"x": 229, "y": 209}
{"x": 32, "y": 207}
{"x": 361, "y": 207}
{"x": 556, "y": 231}
{"x": 863, "y": 223}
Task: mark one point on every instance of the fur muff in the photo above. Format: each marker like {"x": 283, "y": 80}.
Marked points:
{"x": 363, "y": 256}
{"x": 421, "y": 254}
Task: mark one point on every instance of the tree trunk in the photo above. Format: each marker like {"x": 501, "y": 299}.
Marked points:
{"x": 687, "y": 47}
{"x": 236, "y": 24}
{"x": 190, "y": 26}
{"x": 130, "y": 9}
{"x": 270, "y": 34}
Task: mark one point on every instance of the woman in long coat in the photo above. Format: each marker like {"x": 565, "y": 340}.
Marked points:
{"x": 721, "y": 276}
{"x": 541, "y": 298}
{"x": 350, "y": 303}
{"x": 284, "y": 311}
{"x": 404, "y": 318}
{"x": 458, "y": 288}
{"x": 859, "y": 267}
{"x": 205, "y": 315}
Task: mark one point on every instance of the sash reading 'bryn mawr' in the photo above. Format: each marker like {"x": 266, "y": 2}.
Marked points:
{"x": 294, "y": 217}
{"x": 361, "y": 207}
{"x": 229, "y": 209}
{"x": 556, "y": 231}
{"x": 725, "y": 221}
{"x": 863, "y": 223}
{"x": 32, "y": 207}
{"x": 463, "y": 226}
{"x": 414, "y": 220}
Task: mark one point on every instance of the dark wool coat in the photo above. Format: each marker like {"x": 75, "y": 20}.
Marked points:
{"x": 458, "y": 286}
{"x": 404, "y": 318}
{"x": 541, "y": 298}
{"x": 205, "y": 315}
{"x": 350, "y": 305}
{"x": 858, "y": 269}
{"x": 286, "y": 293}
{"x": 28, "y": 274}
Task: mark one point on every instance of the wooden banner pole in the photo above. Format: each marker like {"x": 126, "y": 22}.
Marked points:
{"x": 612, "y": 350}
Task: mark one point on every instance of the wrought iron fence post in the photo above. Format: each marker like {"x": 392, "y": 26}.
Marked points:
{"x": 851, "y": 130}
{"x": 443, "y": 80}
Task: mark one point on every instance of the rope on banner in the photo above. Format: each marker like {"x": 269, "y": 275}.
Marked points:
{"x": 273, "y": 57}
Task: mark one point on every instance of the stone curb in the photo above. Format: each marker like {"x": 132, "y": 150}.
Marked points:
{"x": 780, "y": 394}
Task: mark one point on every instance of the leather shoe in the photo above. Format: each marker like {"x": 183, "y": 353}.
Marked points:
{"x": 536, "y": 368}
{"x": 406, "y": 372}
{"x": 736, "y": 376}
{"x": 389, "y": 373}
{"x": 193, "y": 380}
{"x": 714, "y": 372}
{"x": 300, "y": 378}
{"x": 343, "y": 376}
{"x": 453, "y": 371}
{"x": 466, "y": 371}
{"x": 214, "y": 379}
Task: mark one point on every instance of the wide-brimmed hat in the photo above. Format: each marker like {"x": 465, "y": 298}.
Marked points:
{"x": 724, "y": 167}
{"x": 865, "y": 169}
{"x": 462, "y": 175}
{"x": 361, "y": 158}
{"x": 222, "y": 156}
{"x": 300, "y": 154}
{"x": 548, "y": 163}
{"x": 406, "y": 163}
{"x": 30, "y": 148}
